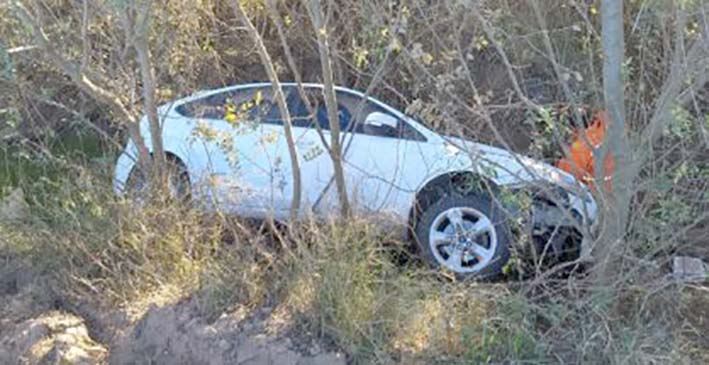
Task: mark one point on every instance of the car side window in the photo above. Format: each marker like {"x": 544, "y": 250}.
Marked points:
{"x": 209, "y": 107}
{"x": 235, "y": 106}
{"x": 302, "y": 116}
{"x": 256, "y": 105}
{"x": 361, "y": 108}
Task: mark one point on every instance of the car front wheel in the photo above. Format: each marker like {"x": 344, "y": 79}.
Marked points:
{"x": 466, "y": 235}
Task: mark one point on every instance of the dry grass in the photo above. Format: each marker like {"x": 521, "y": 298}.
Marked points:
{"x": 341, "y": 283}
{"x": 96, "y": 244}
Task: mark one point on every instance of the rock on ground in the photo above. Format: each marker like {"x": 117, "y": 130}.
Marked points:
{"x": 53, "y": 338}
{"x": 689, "y": 269}
{"x": 174, "y": 334}
{"x": 33, "y": 332}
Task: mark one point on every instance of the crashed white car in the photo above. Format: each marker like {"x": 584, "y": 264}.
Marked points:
{"x": 228, "y": 151}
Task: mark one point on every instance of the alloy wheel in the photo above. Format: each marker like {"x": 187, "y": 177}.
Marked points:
{"x": 463, "y": 239}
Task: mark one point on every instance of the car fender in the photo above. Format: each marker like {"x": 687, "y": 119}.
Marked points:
{"x": 456, "y": 161}
{"x": 175, "y": 142}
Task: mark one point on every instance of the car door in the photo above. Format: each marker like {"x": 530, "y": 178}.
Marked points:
{"x": 314, "y": 161}
{"x": 246, "y": 157}
{"x": 384, "y": 164}
{"x": 311, "y": 130}
{"x": 381, "y": 171}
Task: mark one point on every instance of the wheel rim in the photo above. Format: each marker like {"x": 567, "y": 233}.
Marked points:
{"x": 463, "y": 239}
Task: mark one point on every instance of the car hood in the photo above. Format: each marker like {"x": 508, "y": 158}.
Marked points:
{"x": 507, "y": 168}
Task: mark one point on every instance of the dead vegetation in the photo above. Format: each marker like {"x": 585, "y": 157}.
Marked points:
{"x": 169, "y": 283}
{"x": 210, "y": 282}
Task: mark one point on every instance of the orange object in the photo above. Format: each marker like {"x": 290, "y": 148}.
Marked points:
{"x": 581, "y": 162}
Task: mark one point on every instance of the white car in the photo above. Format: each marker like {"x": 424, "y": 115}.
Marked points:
{"x": 228, "y": 151}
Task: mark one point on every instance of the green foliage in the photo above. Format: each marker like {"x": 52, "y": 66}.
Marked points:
{"x": 549, "y": 127}
{"x": 681, "y": 123}
{"x": 27, "y": 163}
{"x": 94, "y": 244}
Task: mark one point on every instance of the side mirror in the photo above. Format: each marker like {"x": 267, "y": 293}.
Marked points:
{"x": 378, "y": 120}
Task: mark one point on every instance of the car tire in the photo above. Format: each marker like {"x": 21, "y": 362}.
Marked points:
{"x": 179, "y": 186}
{"x": 467, "y": 235}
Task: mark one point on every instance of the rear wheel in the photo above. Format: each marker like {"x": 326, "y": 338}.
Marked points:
{"x": 178, "y": 182}
{"x": 466, "y": 235}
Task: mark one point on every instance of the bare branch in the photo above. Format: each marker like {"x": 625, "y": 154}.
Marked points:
{"x": 280, "y": 99}
{"x": 316, "y": 17}
{"x": 84, "y": 82}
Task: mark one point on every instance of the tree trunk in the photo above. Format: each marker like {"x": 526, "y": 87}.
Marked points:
{"x": 86, "y": 84}
{"x": 316, "y": 17}
{"x": 280, "y": 99}
{"x": 616, "y": 204}
{"x": 140, "y": 43}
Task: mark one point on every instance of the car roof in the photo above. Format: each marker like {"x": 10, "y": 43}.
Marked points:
{"x": 204, "y": 93}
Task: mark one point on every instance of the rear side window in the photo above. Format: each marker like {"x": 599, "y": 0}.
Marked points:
{"x": 250, "y": 105}
{"x": 208, "y": 107}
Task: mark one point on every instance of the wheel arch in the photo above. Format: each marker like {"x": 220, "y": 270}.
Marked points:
{"x": 174, "y": 157}
{"x": 461, "y": 181}
{"x": 128, "y": 162}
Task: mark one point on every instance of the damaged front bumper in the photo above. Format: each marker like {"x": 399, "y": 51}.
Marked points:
{"x": 558, "y": 216}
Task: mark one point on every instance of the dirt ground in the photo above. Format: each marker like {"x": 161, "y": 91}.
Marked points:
{"x": 36, "y": 328}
